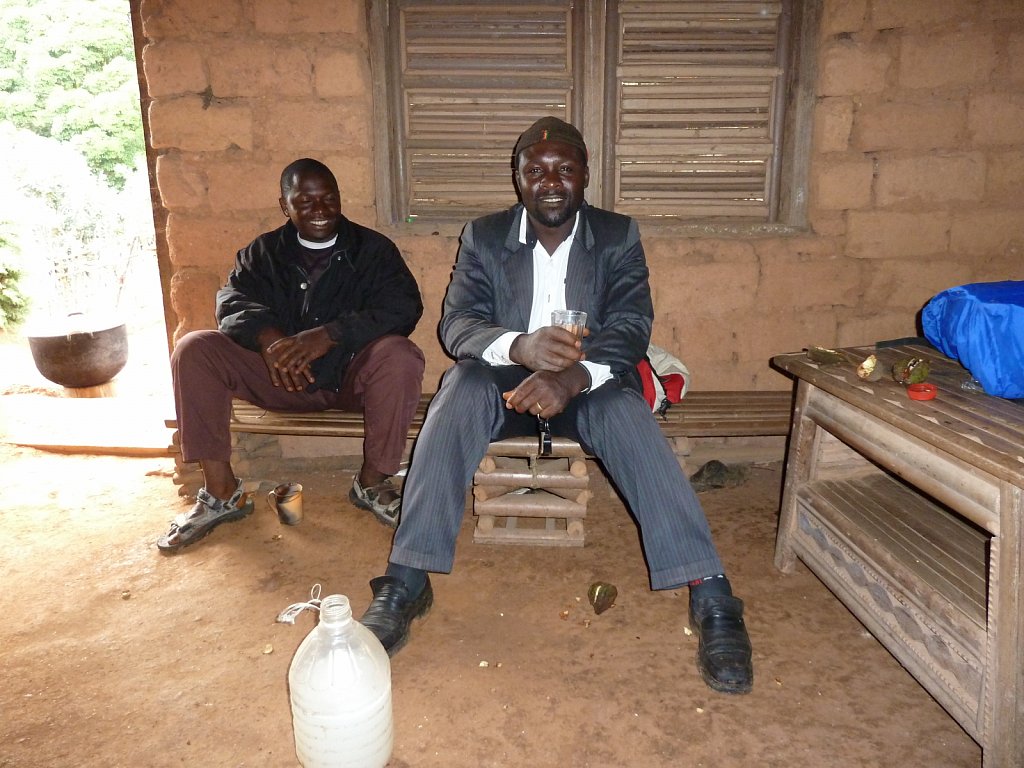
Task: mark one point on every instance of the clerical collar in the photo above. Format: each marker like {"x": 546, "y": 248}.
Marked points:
{"x": 318, "y": 246}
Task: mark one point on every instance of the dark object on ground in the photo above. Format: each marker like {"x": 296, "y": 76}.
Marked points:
{"x": 715, "y": 474}
{"x": 602, "y": 596}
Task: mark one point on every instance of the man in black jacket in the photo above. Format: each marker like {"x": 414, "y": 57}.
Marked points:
{"x": 553, "y": 251}
{"x": 315, "y": 315}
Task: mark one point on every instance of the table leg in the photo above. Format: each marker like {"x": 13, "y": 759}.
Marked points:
{"x": 1004, "y": 680}
{"x": 799, "y": 464}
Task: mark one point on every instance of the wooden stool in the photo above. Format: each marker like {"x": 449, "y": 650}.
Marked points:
{"x": 520, "y": 497}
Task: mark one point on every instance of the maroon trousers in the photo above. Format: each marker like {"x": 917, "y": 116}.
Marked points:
{"x": 208, "y": 369}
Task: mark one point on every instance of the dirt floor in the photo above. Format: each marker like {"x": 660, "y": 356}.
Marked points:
{"x": 114, "y": 655}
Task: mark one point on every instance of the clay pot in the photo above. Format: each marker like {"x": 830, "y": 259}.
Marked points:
{"x": 81, "y": 358}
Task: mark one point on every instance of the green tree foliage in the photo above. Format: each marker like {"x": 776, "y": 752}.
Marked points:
{"x": 74, "y": 239}
{"x": 13, "y": 304}
{"x": 67, "y": 71}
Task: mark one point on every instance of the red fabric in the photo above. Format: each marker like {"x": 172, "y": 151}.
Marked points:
{"x": 673, "y": 384}
{"x": 647, "y": 380}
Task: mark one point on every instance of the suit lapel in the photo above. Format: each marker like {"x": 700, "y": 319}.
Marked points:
{"x": 517, "y": 270}
{"x": 516, "y": 276}
{"x": 580, "y": 273}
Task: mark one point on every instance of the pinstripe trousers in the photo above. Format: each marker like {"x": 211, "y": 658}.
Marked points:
{"x": 613, "y": 423}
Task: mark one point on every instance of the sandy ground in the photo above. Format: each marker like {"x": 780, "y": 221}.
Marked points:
{"x": 114, "y": 655}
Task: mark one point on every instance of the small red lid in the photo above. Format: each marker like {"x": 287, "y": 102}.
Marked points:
{"x": 922, "y": 391}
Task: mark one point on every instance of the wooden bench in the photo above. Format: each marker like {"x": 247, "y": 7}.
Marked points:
{"x": 521, "y": 497}
{"x": 700, "y": 414}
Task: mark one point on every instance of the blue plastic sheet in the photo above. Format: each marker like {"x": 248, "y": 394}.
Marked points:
{"x": 982, "y": 326}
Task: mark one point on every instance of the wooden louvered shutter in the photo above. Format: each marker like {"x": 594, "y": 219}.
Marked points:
{"x": 695, "y": 119}
{"x": 470, "y": 78}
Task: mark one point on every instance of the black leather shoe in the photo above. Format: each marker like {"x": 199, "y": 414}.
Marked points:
{"x": 392, "y": 610}
{"x": 723, "y": 654}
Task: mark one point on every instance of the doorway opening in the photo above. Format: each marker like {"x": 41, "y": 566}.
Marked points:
{"x": 76, "y": 218}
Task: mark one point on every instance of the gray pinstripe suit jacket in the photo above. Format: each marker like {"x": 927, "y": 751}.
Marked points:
{"x": 491, "y": 290}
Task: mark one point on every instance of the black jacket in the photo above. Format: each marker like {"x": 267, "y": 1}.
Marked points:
{"x": 366, "y": 292}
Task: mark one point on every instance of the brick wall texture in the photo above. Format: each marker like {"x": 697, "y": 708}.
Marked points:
{"x": 916, "y": 172}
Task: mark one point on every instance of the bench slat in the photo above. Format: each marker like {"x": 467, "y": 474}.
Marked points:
{"x": 700, "y": 414}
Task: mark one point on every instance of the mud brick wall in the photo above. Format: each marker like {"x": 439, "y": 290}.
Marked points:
{"x": 916, "y": 172}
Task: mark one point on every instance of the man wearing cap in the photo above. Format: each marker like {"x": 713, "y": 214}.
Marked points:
{"x": 554, "y": 251}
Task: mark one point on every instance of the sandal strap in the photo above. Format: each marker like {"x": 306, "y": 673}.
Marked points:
{"x": 373, "y": 492}
{"x": 378, "y": 488}
{"x": 236, "y": 496}
{"x": 213, "y": 502}
{"x": 369, "y": 498}
{"x": 207, "y": 508}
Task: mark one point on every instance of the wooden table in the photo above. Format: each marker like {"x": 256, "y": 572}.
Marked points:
{"x": 910, "y": 512}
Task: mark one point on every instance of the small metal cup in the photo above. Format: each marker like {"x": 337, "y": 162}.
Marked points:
{"x": 286, "y": 500}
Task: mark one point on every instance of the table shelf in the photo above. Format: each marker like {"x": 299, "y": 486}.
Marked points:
{"x": 933, "y": 555}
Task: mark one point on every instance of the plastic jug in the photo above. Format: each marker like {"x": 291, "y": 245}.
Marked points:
{"x": 340, "y": 688}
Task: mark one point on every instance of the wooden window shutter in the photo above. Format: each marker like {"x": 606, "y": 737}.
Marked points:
{"x": 694, "y": 123}
{"x": 471, "y": 76}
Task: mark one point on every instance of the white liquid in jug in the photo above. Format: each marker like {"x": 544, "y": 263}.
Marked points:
{"x": 340, "y": 689}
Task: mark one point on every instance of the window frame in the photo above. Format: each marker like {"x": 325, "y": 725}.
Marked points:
{"x": 593, "y": 90}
